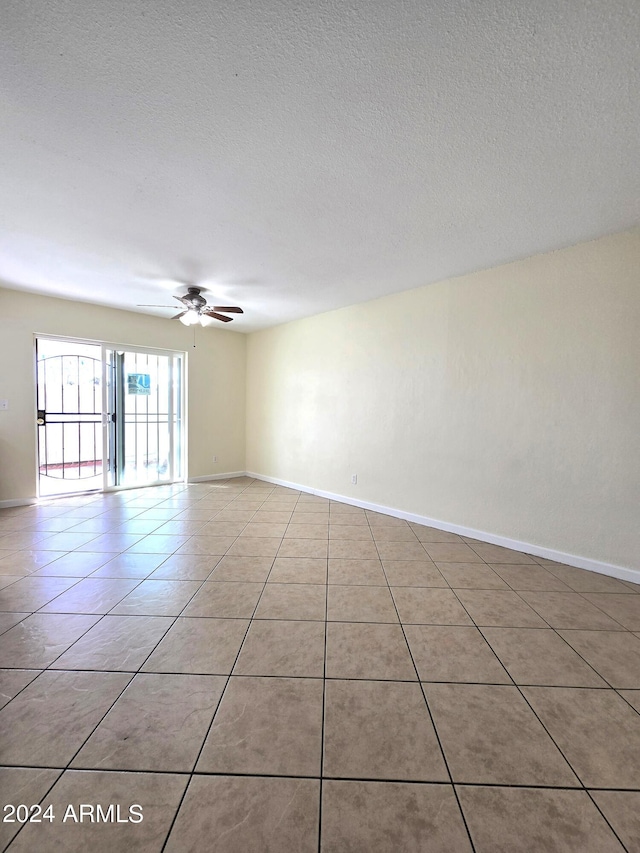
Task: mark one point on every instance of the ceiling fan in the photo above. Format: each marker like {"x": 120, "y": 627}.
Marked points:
{"x": 196, "y": 309}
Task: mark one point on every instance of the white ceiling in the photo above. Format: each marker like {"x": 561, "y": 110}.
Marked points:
{"x": 301, "y": 155}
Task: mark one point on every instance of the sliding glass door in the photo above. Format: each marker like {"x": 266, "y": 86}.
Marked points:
{"x": 144, "y": 406}
{"x": 108, "y": 417}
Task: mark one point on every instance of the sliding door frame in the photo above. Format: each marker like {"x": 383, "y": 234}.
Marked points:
{"x": 113, "y": 400}
{"x": 177, "y": 415}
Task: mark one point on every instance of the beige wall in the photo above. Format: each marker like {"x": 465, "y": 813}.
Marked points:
{"x": 507, "y": 401}
{"x": 216, "y": 380}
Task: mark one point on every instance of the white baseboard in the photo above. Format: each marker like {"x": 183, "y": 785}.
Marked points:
{"x": 17, "y": 502}
{"x": 206, "y": 477}
{"x": 620, "y": 572}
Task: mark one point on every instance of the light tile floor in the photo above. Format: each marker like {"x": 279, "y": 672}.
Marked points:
{"x": 264, "y": 670}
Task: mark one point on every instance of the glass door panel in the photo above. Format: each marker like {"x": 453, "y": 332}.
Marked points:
{"x": 145, "y": 420}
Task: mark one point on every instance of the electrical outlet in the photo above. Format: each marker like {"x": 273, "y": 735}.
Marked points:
{"x": 215, "y": 458}
{"x": 354, "y": 479}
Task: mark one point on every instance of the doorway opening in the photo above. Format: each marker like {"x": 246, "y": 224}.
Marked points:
{"x": 109, "y": 417}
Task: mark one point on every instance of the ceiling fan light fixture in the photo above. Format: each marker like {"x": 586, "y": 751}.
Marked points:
{"x": 194, "y": 309}
{"x": 190, "y": 318}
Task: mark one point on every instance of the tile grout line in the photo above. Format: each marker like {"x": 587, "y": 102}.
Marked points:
{"x": 42, "y": 798}
{"x": 493, "y": 651}
{"x": 102, "y": 617}
{"x": 382, "y": 780}
{"x": 132, "y": 672}
{"x": 424, "y": 697}
{"x": 583, "y": 786}
{"x": 324, "y": 683}
{"x": 575, "y": 773}
{"x": 324, "y": 671}
{"x": 556, "y": 631}
{"x": 518, "y": 687}
{"x": 210, "y": 726}
{"x": 126, "y": 551}
{"x": 583, "y": 595}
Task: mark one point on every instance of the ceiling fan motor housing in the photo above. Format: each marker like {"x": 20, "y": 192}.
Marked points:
{"x": 195, "y": 300}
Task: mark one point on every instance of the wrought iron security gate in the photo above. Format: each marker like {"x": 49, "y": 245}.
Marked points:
{"x": 145, "y": 397}
{"x": 70, "y": 418}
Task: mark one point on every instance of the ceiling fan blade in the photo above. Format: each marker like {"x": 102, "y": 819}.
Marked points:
{"x": 181, "y": 299}
{"x": 208, "y": 312}
{"x": 232, "y": 310}
{"x": 177, "y": 316}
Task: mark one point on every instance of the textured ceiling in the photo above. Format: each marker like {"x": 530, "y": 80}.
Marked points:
{"x": 301, "y": 156}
